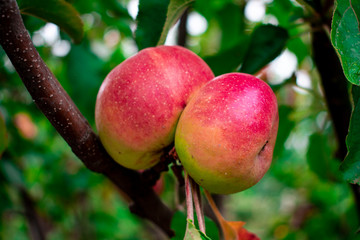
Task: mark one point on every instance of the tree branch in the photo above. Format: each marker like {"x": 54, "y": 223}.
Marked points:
{"x": 57, "y": 106}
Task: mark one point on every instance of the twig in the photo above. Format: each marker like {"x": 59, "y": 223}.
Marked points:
{"x": 56, "y": 105}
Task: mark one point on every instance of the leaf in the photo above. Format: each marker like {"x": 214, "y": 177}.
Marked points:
{"x": 244, "y": 234}
{"x": 319, "y": 158}
{"x": 286, "y": 12}
{"x": 116, "y": 8}
{"x": 231, "y": 230}
{"x": 3, "y": 135}
{"x": 345, "y": 37}
{"x": 155, "y": 19}
{"x": 231, "y": 22}
{"x": 151, "y": 20}
{"x": 175, "y": 10}
{"x": 299, "y": 48}
{"x": 267, "y": 42}
{"x": 192, "y": 233}
{"x": 83, "y": 72}
{"x": 285, "y": 127}
{"x": 11, "y": 173}
{"x": 58, "y": 12}
{"x": 350, "y": 167}
{"x": 228, "y": 60}
{"x": 178, "y": 225}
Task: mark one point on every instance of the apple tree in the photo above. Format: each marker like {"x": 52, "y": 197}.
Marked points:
{"x": 58, "y": 180}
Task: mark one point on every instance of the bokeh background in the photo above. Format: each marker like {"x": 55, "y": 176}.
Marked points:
{"x": 301, "y": 197}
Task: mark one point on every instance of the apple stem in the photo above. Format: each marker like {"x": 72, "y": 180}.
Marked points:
{"x": 198, "y": 204}
{"x": 189, "y": 199}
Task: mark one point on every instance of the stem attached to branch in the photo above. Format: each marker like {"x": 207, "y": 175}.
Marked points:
{"x": 57, "y": 106}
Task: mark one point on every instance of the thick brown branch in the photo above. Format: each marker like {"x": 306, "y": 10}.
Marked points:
{"x": 57, "y": 106}
{"x": 335, "y": 87}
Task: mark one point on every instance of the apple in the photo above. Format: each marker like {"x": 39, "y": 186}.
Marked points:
{"x": 140, "y": 101}
{"x": 226, "y": 135}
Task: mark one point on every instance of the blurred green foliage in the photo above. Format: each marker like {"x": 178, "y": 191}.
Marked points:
{"x": 59, "y": 12}
{"x": 302, "y": 195}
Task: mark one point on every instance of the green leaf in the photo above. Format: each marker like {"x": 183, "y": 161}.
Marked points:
{"x": 192, "y": 233}
{"x": 11, "y": 173}
{"x": 350, "y": 167}
{"x": 116, "y": 8}
{"x": 174, "y": 12}
{"x": 3, "y": 135}
{"x": 286, "y": 12}
{"x": 319, "y": 158}
{"x": 232, "y": 24}
{"x": 267, "y": 42}
{"x": 286, "y": 124}
{"x": 345, "y": 36}
{"x": 228, "y": 60}
{"x": 84, "y": 72}
{"x": 151, "y": 19}
{"x": 299, "y": 48}
{"x": 178, "y": 225}
{"x": 155, "y": 19}
{"x": 58, "y": 12}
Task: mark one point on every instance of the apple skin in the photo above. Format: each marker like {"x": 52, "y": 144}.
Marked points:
{"x": 140, "y": 101}
{"x": 226, "y": 135}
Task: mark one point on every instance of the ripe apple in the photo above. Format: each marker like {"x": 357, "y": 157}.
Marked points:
{"x": 226, "y": 134}
{"x": 140, "y": 101}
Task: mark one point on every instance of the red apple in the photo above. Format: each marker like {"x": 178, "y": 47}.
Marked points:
{"x": 140, "y": 101}
{"x": 226, "y": 134}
